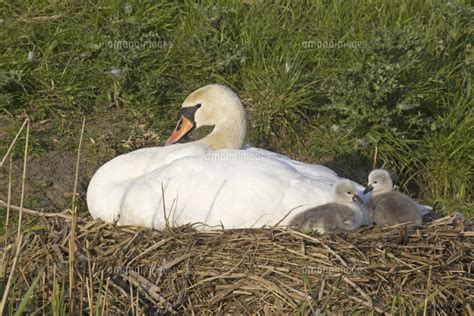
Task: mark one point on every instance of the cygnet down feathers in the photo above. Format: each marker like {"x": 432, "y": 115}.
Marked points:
{"x": 346, "y": 213}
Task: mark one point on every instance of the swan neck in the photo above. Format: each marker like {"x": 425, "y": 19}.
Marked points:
{"x": 229, "y": 134}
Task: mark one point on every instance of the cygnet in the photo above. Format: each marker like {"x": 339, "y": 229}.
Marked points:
{"x": 387, "y": 207}
{"x": 346, "y": 213}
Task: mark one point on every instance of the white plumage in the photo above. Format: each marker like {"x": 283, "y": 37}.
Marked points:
{"x": 211, "y": 181}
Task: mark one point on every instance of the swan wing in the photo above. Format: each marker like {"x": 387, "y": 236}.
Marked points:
{"x": 317, "y": 172}
{"x": 310, "y": 170}
{"x": 221, "y": 188}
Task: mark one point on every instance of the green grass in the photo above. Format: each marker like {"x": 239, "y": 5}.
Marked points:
{"x": 322, "y": 81}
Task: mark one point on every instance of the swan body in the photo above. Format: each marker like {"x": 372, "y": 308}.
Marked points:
{"x": 248, "y": 189}
{"x": 212, "y": 181}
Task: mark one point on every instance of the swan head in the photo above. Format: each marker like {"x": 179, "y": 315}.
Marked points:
{"x": 380, "y": 181}
{"x": 212, "y": 105}
{"x": 345, "y": 192}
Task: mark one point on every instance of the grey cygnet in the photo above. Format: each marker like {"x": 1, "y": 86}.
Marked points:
{"x": 387, "y": 207}
{"x": 346, "y": 213}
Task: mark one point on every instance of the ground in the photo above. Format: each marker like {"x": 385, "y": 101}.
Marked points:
{"x": 50, "y": 173}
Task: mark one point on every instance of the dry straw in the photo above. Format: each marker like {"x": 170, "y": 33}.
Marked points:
{"x": 72, "y": 234}
{"x": 19, "y": 236}
{"x": 272, "y": 270}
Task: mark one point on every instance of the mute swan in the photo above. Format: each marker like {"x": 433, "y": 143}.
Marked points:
{"x": 345, "y": 213}
{"x": 211, "y": 181}
{"x": 387, "y": 207}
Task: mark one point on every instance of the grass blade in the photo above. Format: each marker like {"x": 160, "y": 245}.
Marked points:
{"x": 29, "y": 293}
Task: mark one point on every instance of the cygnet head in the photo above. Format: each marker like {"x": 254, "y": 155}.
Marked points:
{"x": 212, "y": 105}
{"x": 345, "y": 192}
{"x": 379, "y": 182}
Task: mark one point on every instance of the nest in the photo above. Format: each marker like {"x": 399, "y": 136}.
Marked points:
{"x": 123, "y": 270}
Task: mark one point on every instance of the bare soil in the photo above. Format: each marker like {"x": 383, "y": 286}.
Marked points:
{"x": 53, "y": 154}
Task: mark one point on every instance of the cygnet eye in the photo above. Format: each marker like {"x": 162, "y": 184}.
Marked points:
{"x": 349, "y": 192}
{"x": 375, "y": 182}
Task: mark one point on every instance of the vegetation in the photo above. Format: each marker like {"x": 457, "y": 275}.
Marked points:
{"x": 350, "y": 84}
{"x": 322, "y": 81}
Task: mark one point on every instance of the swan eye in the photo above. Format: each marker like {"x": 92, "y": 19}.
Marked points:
{"x": 180, "y": 124}
{"x": 349, "y": 192}
{"x": 375, "y": 182}
{"x": 198, "y": 105}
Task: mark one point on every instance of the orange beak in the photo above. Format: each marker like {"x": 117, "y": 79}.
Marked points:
{"x": 182, "y": 128}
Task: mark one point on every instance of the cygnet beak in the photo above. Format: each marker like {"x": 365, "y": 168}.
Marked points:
{"x": 357, "y": 199}
{"x": 368, "y": 189}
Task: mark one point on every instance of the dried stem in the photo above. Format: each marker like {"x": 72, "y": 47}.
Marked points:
{"x": 13, "y": 142}
{"x": 19, "y": 236}
{"x": 36, "y": 213}
{"x": 72, "y": 235}
{"x": 376, "y": 153}
{"x": 428, "y": 287}
{"x": 7, "y": 219}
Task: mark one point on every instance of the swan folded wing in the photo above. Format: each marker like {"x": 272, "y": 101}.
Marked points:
{"x": 315, "y": 171}
{"x": 236, "y": 194}
{"x": 320, "y": 173}
{"x": 196, "y": 189}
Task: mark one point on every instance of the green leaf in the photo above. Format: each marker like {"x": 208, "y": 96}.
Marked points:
{"x": 29, "y": 293}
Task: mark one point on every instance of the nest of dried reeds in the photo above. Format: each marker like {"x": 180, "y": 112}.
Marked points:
{"x": 123, "y": 270}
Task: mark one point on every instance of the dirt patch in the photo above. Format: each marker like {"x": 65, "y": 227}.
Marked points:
{"x": 53, "y": 154}
{"x": 50, "y": 180}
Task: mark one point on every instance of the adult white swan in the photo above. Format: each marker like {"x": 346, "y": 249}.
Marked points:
{"x": 212, "y": 181}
